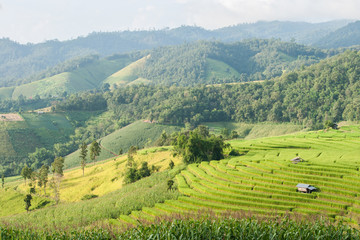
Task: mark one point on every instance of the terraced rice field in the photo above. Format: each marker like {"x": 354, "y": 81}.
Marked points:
{"x": 263, "y": 180}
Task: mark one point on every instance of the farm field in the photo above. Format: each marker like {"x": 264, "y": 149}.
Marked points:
{"x": 252, "y": 131}
{"x": 263, "y": 180}
{"x": 138, "y": 134}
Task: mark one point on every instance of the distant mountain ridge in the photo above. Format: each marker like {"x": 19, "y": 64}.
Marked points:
{"x": 18, "y": 62}
{"x": 344, "y": 37}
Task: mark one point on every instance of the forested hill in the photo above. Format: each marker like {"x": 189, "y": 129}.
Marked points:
{"x": 344, "y": 37}
{"x": 215, "y": 62}
{"x": 324, "y": 91}
{"x": 18, "y": 61}
{"x": 182, "y": 65}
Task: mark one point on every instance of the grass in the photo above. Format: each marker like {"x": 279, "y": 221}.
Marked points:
{"x": 12, "y": 202}
{"x": 85, "y": 77}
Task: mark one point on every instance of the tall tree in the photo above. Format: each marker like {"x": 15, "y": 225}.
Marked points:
{"x": 57, "y": 169}
{"x": 43, "y": 177}
{"x": 83, "y": 154}
{"x": 26, "y": 173}
{"x": 94, "y": 150}
{"x": 57, "y": 166}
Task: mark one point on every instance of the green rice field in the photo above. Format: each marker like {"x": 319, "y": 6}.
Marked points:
{"x": 263, "y": 180}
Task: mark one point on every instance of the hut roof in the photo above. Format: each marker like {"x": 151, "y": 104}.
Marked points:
{"x": 302, "y": 185}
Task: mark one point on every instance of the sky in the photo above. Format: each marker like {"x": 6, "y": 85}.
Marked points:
{"x": 40, "y": 20}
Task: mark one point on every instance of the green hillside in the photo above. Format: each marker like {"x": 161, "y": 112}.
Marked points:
{"x": 126, "y": 75}
{"x": 86, "y": 77}
{"x": 19, "y": 138}
{"x": 138, "y": 134}
{"x": 346, "y": 36}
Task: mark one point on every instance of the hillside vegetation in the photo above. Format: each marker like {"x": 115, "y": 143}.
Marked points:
{"x": 89, "y": 76}
{"x": 37, "y": 131}
{"x": 346, "y": 36}
{"x": 184, "y": 65}
{"x": 138, "y": 134}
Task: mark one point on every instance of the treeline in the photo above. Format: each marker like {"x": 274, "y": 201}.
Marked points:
{"x": 22, "y": 103}
{"x": 325, "y": 91}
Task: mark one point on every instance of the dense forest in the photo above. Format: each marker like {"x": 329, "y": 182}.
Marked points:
{"x": 19, "y": 62}
{"x": 324, "y": 91}
{"x": 188, "y": 64}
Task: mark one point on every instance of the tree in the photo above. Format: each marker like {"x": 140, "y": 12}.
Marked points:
{"x": 171, "y": 164}
{"x": 94, "y": 150}
{"x": 144, "y": 171}
{"x": 39, "y": 157}
{"x": 57, "y": 169}
{"x": 26, "y": 173}
{"x": 195, "y": 147}
{"x": 170, "y": 183}
{"x": 43, "y": 177}
{"x": 120, "y": 151}
{"x": 57, "y": 166}
{"x": 83, "y": 154}
{"x": 27, "y": 201}
{"x": 2, "y": 180}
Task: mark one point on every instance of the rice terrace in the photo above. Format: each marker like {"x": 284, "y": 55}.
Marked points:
{"x": 217, "y": 122}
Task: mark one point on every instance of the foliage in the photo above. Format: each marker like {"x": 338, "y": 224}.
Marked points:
{"x": 26, "y": 173}
{"x": 39, "y": 157}
{"x": 43, "y": 177}
{"x": 83, "y": 154}
{"x": 89, "y": 196}
{"x": 133, "y": 174}
{"x": 197, "y": 146}
{"x": 58, "y": 165}
{"x": 206, "y": 228}
{"x": 27, "y": 201}
{"x": 95, "y": 150}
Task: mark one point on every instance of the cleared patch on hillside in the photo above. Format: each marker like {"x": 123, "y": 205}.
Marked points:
{"x": 87, "y": 77}
{"x": 128, "y": 75}
{"x": 219, "y": 70}
{"x": 12, "y": 117}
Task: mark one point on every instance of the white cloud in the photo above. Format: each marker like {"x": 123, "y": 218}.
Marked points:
{"x": 37, "y": 20}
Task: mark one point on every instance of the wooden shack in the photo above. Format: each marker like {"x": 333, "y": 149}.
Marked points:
{"x": 297, "y": 160}
{"x": 305, "y": 188}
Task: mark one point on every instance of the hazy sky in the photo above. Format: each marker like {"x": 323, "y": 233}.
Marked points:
{"x": 40, "y": 20}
